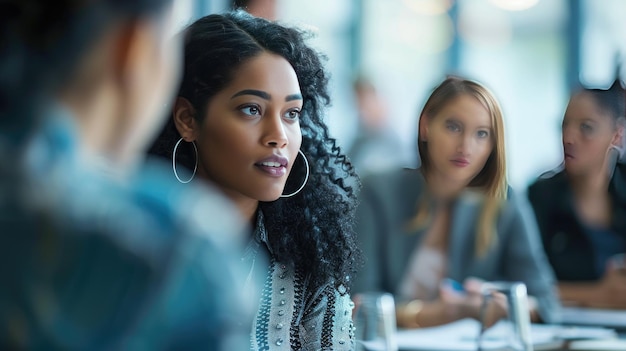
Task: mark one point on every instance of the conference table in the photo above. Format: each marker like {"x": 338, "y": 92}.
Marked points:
{"x": 582, "y": 329}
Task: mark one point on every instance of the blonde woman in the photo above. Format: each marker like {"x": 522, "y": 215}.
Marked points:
{"x": 452, "y": 220}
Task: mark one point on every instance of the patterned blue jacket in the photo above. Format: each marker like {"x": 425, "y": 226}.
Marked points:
{"x": 293, "y": 315}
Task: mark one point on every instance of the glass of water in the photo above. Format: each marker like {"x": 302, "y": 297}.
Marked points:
{"x": 517, "y": 325}
{"x": 375, "y": 322}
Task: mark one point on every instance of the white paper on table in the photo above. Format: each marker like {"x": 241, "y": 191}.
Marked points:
{"x": 600, "y": 345}
{"x": 462, "y": 335}
{"x": 594, "y": 316}
{"x": 456, "y": 336}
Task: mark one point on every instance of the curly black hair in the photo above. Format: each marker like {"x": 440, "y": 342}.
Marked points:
{"x": 313, "y": 229}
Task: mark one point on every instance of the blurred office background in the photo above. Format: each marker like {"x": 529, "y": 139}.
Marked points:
{"x": 531, "y": 53}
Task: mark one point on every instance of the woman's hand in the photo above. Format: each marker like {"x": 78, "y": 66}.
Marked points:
{"x": 611, "y": 289}
{"x": 452, "y": 305}
{"x": 468, "y": 303}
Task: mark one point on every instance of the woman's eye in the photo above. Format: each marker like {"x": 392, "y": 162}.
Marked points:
{"x": 293, "y": 114}
{"x": 452, "y": 127}
{"x": 251, "y": 110}
{"x": 483, "y": 134}
{"x": 586, "y": 128}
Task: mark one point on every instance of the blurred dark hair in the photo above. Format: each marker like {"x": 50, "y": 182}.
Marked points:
{"x": 312, "y": 229}
{"x": 41, "y": 43}
{"x": 240, "y": 4}
{"x": 611, "y": 101}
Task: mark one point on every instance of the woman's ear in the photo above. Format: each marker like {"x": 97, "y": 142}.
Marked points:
{"x": 618, "y": 138}
{"x": 423, "y": 128}
{"x": 184, "y": 119}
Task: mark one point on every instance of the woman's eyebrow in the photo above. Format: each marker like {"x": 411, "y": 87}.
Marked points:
{"x": 293, "y": 97}
{"x": 259, "y": 93}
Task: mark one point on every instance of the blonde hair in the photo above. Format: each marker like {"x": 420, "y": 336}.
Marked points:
{"x": 491, "y": 180}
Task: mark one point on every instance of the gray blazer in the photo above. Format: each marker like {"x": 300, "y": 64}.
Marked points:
{"x": 388, "y": 201}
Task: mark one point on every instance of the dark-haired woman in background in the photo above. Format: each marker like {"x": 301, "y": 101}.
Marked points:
{"x": 581, "y": 209}
{"x": 248, "y": 118}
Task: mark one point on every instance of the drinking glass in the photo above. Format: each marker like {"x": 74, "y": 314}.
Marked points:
{"x": 375, "y": 322}
{"x": 517, "y": 325}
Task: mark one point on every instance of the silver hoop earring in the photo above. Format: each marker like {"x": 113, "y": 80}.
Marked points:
{"x": 306, "y": 177}
{"x": 195, "y": 149}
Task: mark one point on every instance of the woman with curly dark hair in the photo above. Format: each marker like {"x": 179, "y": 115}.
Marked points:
{"x": 249, "y": 118}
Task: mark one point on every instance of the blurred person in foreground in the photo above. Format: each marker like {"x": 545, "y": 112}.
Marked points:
{"x": 581, "y": 206}
{"x": 249, "y": 118}
{"x": 453, "y": 218}
{"x": 95, "y": 253}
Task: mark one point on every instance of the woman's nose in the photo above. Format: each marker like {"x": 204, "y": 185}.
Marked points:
{"x": 274, "y": 132}
{"x": 568, "y": 136}
{"x": 464, "y": 145}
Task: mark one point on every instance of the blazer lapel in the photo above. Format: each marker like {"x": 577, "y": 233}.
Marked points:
{"x": 461, "y": 239}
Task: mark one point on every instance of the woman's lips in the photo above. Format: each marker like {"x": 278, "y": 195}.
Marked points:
{"x": 460, "y": 162}
{"x": 274, "y": 165}
{"x": 271, "y": 168}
